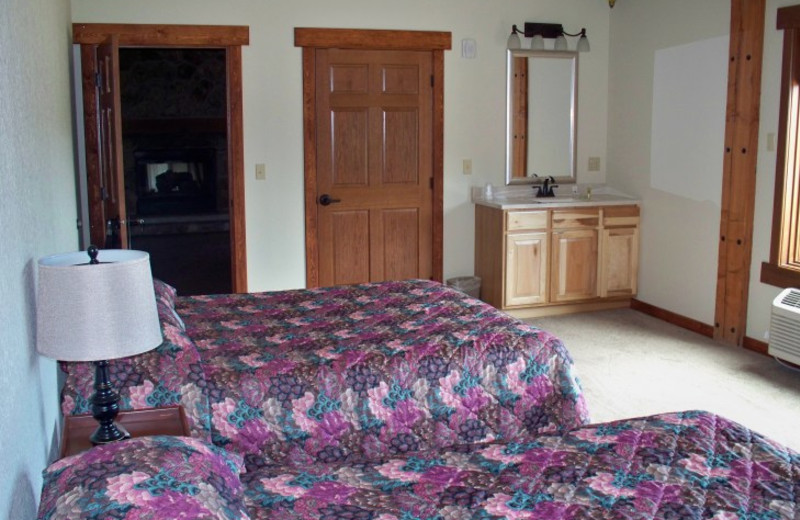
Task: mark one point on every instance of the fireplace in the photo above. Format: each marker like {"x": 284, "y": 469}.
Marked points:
{"x": 176, "y": 182}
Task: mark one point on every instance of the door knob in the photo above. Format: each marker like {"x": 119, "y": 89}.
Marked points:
{"x": 326, "y": 200}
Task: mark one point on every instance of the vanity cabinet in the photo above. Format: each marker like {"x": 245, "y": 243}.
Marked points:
{"x": 557, "y": 260}
{"x": 574, "y": 260}
{"x": 620, "y": 245}
{"x": 526, "y": 258}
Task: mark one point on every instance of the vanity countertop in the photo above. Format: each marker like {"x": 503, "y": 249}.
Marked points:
{"x": 524, "y": 198}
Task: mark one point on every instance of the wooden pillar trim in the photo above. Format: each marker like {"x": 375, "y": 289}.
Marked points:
{"x": 739, "y": 169}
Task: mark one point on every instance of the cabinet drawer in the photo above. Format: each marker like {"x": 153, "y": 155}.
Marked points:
{"x": 614, "y": 216}
{"x": 526, "y": 220}
{"x": 576, "y": 218}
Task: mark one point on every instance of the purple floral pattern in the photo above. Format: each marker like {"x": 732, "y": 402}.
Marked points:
{"x": 145, "y": 478}
{"x": 691, "y": 465}
{"x": 375, "y": 370}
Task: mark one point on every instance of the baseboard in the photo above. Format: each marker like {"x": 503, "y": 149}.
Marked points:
{"x": 693, "y": 325}
{"x": 673, "y": 318}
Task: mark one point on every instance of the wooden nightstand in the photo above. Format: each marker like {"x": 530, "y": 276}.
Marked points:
{"x": 151, "y": 421}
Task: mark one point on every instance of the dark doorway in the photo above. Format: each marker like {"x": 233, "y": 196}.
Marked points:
{"x": 174, "y": 140}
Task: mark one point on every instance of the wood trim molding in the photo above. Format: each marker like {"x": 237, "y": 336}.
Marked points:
{"x": 311, "y": 39}
{"x": 322, "y": 38}
{"x": 162, "y": 35}
{"x": 310, "y": 169}
{"x": 236, "y": 208}
{"x": 437, "y": 251}
{"x": 692, "y": 325}
{"x": 739, "y": 169}
{"x": 673, "y": 318}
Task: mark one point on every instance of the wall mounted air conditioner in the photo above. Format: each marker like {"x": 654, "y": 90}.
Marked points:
{"x": 784, "y": 326}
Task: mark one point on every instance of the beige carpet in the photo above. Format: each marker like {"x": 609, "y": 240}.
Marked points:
{"x": 631, "y": 364}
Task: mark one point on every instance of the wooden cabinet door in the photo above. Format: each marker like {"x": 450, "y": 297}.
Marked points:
{"x": 374, "y": 165}
{"x": 620, "y": 262}
{"x": 573, "y": 265}
{"x": 526, "y": 269}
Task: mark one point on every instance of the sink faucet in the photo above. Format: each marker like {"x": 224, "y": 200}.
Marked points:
{"x": 546, "y": 189}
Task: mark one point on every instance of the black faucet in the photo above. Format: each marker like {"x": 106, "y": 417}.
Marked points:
{"x": 546, "y": 188}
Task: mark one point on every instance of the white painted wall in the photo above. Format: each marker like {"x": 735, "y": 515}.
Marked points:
{"x": 37, "y": 217}
{"x": 678, "y": 266}
{"x": 474, "y": 102}
{"x": 680, "y": 224}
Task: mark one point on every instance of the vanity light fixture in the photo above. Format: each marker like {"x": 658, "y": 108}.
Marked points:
{"x": 539, "y": 31}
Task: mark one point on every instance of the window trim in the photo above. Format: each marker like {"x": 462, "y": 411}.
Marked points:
{"x": 783, "y": 268}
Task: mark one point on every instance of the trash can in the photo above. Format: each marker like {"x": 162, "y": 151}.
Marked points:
{"x": 466, "y": 284}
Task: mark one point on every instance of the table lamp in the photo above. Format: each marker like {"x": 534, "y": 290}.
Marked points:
{"x": 95, "y": 308}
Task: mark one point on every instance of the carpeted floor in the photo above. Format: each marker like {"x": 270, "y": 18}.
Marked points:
{"x": 631, "y": 364}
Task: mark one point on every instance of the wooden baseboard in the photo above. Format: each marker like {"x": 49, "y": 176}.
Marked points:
{"x": 692, "y": 324}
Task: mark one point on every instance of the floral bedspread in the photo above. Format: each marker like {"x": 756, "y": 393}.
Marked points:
{"x": 689, "y": 465}
{"x": 373, "y": 371}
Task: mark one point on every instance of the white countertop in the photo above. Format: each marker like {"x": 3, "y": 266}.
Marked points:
{"x": 524, "y": 197}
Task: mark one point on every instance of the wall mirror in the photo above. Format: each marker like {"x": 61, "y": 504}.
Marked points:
{"x": 541, "y": 115}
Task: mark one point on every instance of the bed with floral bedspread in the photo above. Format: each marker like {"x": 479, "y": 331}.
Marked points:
{"x": 395, "y": 401}
{"x": 374, "y": 370}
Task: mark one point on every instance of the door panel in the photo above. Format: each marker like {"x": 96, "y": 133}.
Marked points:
{"x": 400, "y": 147}
{"x": 526, "y": 269}
{"x": 350, "y": 265}
{"x": 349, "y": 130}
{"x": 110, "y": 118}
{"x": 400, "y": 230}
{"x": 374, "y": 160}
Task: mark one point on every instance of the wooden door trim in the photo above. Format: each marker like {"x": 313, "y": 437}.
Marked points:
{"x": 230, "y": 38}
{"x": 739, "y": 170}
{"x": 312, "y": 39}
{"x": 151, "y": 35}
{"x": 366, "y": 39}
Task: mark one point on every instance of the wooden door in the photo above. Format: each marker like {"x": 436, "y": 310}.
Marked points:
{"x": 374, "y": 179}
{"x": 112, "y": 182}
{"x": 526, "y": 269}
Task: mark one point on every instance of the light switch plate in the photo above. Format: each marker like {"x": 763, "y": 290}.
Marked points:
{"x": 261, "y": 171}
{"x": 594, "y": 164}
{"x": 466, "y": 167}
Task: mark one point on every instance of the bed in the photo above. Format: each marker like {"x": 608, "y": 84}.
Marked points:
{"x": 395, "y": 400}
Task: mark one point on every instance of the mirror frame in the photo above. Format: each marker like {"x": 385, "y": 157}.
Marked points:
{"x": 568, "y": 177}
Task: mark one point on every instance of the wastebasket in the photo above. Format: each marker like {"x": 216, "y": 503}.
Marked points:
{"x": 466, "y": 284}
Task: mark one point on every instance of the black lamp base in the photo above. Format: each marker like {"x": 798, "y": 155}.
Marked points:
{"x": 105, "y": 407}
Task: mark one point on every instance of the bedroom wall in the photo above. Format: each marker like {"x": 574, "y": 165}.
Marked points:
{"x": 680, "y": 221}
{"x": 680, "y": 202}
{"x": 38, "y": 217}
{"x": 474, "y": 102}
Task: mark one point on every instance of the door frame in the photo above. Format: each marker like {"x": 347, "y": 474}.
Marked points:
{"x": 311, "y": 39}
{"x": 229, "y": 38}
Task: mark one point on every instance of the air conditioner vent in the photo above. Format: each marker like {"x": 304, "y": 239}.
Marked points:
{"x": 791, "y": 298}
{"x": 784, "y": 326}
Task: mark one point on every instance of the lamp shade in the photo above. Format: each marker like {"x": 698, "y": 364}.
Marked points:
{"x": 93, "y": 312}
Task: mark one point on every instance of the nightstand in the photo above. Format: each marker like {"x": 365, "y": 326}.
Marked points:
{"x": 139, "y": 423}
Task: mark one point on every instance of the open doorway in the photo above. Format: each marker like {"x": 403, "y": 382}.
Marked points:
{"x": 182, "y": 175}
{"x": 174, "y": 141}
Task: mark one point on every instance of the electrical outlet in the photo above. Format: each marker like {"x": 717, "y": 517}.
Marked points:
{"x": 261, "y": 171}
{"x": 594, "y": 164}
{"x": 466, "y": 167}
{"x": 574, "y": 189}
